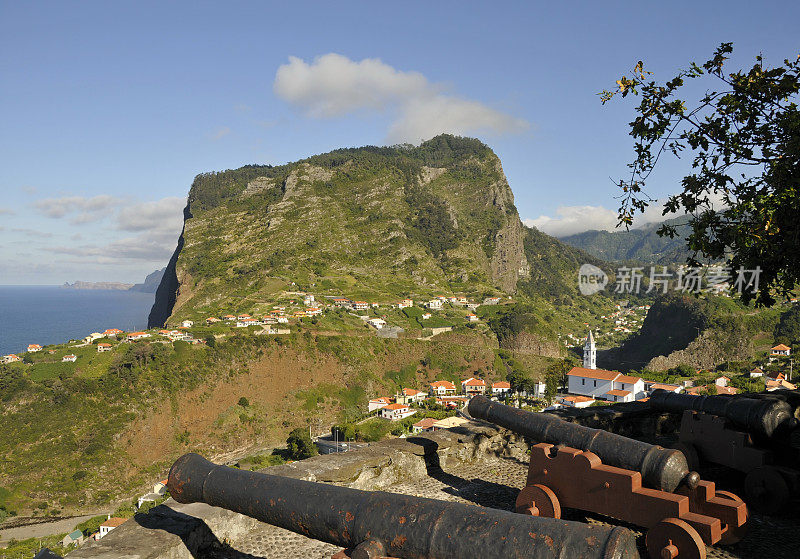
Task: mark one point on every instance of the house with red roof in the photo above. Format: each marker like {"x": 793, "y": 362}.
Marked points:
{"x": 781, "y": 350}
{"x": 111, "y": 523}
{"x": 578, "y": 401}
{"x": 410, "y": 396}
{"x": 69, "y": 358}
{"x": 608, "y": 385}
{"x": 11, "y": 358}
{"x": 442, "y": 388}
{"x": 33, "y": 348}
{"x": 424, "y": 425}
{"x": 136, "y": 336}
{"x": 500, "y": 388}
{"x": 473, "y": 386}
{"x": 112, "y": 332}
{"x": 776, "y": 384}
{"x": 396, "y": 412}
{"x": 103, "y": 347}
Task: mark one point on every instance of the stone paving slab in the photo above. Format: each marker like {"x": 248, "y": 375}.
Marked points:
{"x": 495, "y": 483}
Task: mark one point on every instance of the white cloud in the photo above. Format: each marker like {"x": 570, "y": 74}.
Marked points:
{"x": 575, "y": 219}
{"x": 333, "y": 85}
{"x": 166, "y": 213}
{"x": 81, "y": 209}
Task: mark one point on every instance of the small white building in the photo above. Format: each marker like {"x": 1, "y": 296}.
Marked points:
{"x": 187, "y": 323}
{"x": 69, "y": 358}
{"x": 434, "y": 304}
{"x": 103, "y": 347}
{"x": 360, "y": 305}
{"x": 33, "y": 348}
{"x": 396, "y": 412}
{"x": 110, "y": 524}
{"x": 781, "y": 350}
{"x": 11, "y": 358}
{"x": 376, "y": 323}
{"x": 577, "y": 401}
{"x": 426, "y": 315}
{"x": 756, "y": 373}
{"x": 501, "y": 388}
{"x": 722, "y": 381}
{"x": 491, "y": 301}
{"x": 308, "y": 300}
{"x": 424, "y": 425}
{"x": 410, "y": 396}
{"x": 472, "y": 317}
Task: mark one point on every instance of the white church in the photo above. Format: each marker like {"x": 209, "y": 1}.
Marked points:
{"x": 599, "y": 383}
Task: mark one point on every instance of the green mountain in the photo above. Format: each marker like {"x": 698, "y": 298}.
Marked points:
{"x": 376, "y": 223}
{"x": 640, "y": 245}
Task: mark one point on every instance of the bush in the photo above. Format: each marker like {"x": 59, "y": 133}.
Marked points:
{"x": 244, "y": 402}
{"x": 300, "y": 445}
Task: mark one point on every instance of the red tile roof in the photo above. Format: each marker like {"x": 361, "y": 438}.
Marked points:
{"x": 578, "y": 399}
{"x": 113, "y": 522}
{"x": 425, "y": 423}
{"x": 501, "y": 384}
{"x": 396, "y": 407}
{"x": 600, "y": 374}
{"x": 781, "y": 347}
{"x": 474, "y": 382}
{"x": 619, "y": 392}
{"x": 443, "y": 384}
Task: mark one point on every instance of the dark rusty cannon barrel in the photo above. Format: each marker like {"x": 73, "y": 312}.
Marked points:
{"x": 759, "y": 416}
{"x": 378, "y": 523}
{"x": 661, "y": 468}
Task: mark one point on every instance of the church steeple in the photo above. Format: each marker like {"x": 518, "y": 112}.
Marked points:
{"x": 589, "y": 353}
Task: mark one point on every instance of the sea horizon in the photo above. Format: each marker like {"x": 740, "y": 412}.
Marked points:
{"x": 51, "y": 314}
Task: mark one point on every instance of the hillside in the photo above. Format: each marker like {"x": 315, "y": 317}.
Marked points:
{"x": 639, "y": 245}
{"x": 378, "y": 223}
{"x": 702, "y": 332}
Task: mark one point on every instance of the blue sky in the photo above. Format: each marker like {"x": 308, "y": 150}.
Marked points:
{"x": 108, "y": 110}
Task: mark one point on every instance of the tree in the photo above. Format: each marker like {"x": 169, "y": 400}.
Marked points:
{"x": 787, "y": 330}
{"x": 211, "y": 340}
{"x": 744, "y": 134}
{"x": 244, "y": 402}
{"x": 300, "y": 445}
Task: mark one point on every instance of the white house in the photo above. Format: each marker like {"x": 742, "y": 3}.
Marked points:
{"x": 449, "y": 423}
{"x": 473, "y": 386}
{"x": 187, "y": 324}
{"x": 11, "y": 358}
{"x": 92, "y": 337}
{"x": 442, "y": 388}
{"x": 471, "y": 317}
{"x": 245, "y": 322}
{"x": 360, "y": 305}
{"x": 650, "y": 387}
{"x": 756, "y": 373}
{"x": 500, "y": 388}
{"x": 33, "y": 348}
{"x": 109, "y": 525}
{"x": 308, "y": 300}
{"x": 722, "y": 381}
{"x": 578, "y": 401}
{"x": 378, "y": 403}
{"x": 405, "y": 303}
{"x": 313, "y": 311}
{"x": 434, "y": 304}
{"x": 376, "y": 323}
{"x": 134, "y": 336}
{"x": 426, "y": 315}
{"x": 608, "y": 385}
{"x": 69, "y": 358}
{"x": 781, "y": 350}
{"x": 395, "y": 412}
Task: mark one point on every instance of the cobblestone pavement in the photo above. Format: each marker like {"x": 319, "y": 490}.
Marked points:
{"x": 495, "y": 483}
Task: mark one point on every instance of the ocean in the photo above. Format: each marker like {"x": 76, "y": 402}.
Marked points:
{"x": 50, "y": 314}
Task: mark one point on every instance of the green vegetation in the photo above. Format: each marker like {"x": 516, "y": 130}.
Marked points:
{"x": 742, "y": 136}
{"x": 300, "y": 445}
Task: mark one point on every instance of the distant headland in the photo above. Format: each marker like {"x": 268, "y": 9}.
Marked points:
{"x": 149, "y": 285}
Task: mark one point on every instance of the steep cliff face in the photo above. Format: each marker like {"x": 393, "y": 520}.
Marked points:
{"x": 380, "y": 222}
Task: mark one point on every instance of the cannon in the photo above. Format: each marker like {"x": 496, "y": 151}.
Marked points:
{"x": 592, "y": 470}
{"x": 375, "y": 524}
{"x": 757, "y": 436}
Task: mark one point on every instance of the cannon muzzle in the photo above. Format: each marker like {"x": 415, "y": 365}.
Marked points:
{"x": 390, "y": 524}
{"x": 661, "y": 468}
{"x": 761, "y": 417}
